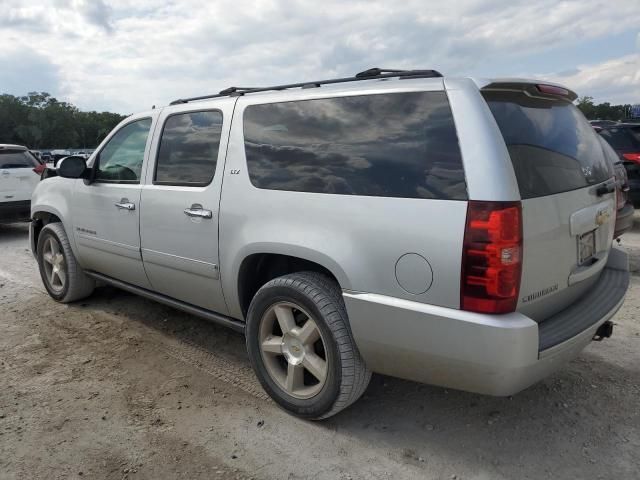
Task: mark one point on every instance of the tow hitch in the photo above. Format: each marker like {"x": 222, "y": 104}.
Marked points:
{"x": 604, "y": 331}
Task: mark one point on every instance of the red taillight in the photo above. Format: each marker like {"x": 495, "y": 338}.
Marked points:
{"x": 632, "y": 157}
{"x": 39, "y": 169}
{"x": 491, "y": 257}
{"x": 553, "y": 90}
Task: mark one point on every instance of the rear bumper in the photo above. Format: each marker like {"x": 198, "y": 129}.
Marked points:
{"x": 489, "y": 354}
{"x": 15, "y": 211}
{"x": 624, "y": 220}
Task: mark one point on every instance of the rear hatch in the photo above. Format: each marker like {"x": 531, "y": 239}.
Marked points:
{"x": 567, "y": 190}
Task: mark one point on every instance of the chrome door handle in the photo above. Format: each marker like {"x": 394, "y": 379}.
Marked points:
{"x": 196, "y": 210}
{"x": 5, "y": 173}
{"x": 125, "y": 205}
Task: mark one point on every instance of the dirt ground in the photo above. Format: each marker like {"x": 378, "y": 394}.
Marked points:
{"x": 119, "y": 387}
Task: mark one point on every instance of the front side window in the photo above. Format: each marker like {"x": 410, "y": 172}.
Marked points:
{"x": 189, "y": 149}
{"x": 121, "y": 159}
{"x": 391, "y": 145}
{"x": 10, "y": 159}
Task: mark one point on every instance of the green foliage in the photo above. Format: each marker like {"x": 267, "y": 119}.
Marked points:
{"x": 602, "y": 111}
{"x": 39, "y": 120}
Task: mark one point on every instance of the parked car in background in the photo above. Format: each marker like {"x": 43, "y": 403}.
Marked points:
{"x": 45, "y": 156}
{"x": 19, "y": 174}
{"x": 82, "y": 154}
{"x": 624, "y": 206}
{"x": 57, "y": 155}
{"x": 450, "y": 231}
{"x": 625, "y": 140}
{"x": 602, "y": 123}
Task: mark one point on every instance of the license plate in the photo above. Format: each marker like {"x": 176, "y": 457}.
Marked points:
{"x": 586, "y": 247}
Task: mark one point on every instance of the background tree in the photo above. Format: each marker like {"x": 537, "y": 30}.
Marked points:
{"x": 40, "y": 121}
{"x": 603, "y": 111}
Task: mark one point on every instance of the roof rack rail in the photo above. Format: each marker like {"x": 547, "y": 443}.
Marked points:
{"x": 370, "y": 74}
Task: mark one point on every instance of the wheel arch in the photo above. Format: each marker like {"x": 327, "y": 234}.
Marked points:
{"x": 257, "y": 266}
{"x": 39, "y": 218}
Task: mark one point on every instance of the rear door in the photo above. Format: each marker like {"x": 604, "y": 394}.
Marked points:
{"x": 17, "y": 178}
{"x": 179, "y": 214}
{"x": 567, "y": 190}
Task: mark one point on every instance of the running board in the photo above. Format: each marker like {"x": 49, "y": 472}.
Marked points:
{"x": 216, "y": 318}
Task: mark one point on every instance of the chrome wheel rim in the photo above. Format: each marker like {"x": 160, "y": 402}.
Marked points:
{"x": 293, "y": 350}
{"x": 55, "y": 267}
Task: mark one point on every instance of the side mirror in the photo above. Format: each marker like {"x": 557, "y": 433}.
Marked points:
{"x": 72, "y": 167}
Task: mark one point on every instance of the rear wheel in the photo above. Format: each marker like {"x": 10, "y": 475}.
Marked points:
{"x": 61, "y": 275}
{"x": 301, "y": 347}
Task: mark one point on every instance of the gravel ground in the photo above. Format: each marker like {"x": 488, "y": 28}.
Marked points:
{"x": 120, "y": 387}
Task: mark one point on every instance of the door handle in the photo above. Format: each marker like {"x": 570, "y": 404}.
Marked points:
{"x": 196, "y": 210}
{"x": 5, "y": 173}
{"x": 125, "y": 204}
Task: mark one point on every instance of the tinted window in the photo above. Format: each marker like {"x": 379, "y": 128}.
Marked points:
{"x": 393, "y": 145}
{"x": 621, "y": 138}
{"x": 189, "y": 149}
{"x": 609, "y": 153}
{"x": 16, "y": 159}
{"x": 121, "y": 159}
{"x": 552, "y": 146}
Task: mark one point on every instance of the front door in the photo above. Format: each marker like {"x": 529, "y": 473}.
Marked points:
{"x": 179, "y": 222}
{"x": 106, "y": 212}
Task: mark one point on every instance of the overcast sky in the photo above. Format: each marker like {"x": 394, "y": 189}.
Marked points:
{"x": 110, "y": 55}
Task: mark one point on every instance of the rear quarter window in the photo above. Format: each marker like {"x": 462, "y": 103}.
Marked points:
{"x": 553, "y": 148}
{"x": 390, "y": 145}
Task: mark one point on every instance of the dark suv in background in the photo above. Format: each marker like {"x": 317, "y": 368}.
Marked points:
{"x": 625, "y": 140}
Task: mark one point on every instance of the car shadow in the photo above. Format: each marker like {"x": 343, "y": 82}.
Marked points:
{"x": 578, "y": 415}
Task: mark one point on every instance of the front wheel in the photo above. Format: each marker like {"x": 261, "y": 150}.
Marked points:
{"x": 61, "y": 275}
{"x": 301, "y": 347}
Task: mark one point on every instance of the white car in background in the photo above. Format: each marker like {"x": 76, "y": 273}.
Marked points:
{"x": 19, "y": 174}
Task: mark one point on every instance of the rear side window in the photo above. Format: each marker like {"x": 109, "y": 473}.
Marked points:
{"x": 552, "y": 146}
{"x": 391, "y": 145}
{"x": 10, "y": 159}
{"x": 624, "y": 139}
{"x": 189, "y": 149}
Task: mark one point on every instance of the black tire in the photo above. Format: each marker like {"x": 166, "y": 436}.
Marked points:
{"x": 347, "y": 376}
{"x": 77, "y": 284}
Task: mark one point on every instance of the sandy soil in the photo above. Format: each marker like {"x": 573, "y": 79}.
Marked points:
{"x": 119, "y": 387}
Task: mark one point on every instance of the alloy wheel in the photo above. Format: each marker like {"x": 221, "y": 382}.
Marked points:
{"x": 55, "y": 267}
{"x": 293, "y": 350}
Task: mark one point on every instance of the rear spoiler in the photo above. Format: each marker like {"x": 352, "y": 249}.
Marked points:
{"x": 533, "y": 88}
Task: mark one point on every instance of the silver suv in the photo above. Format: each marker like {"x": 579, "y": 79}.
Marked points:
{"x": 452, "y": 231}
